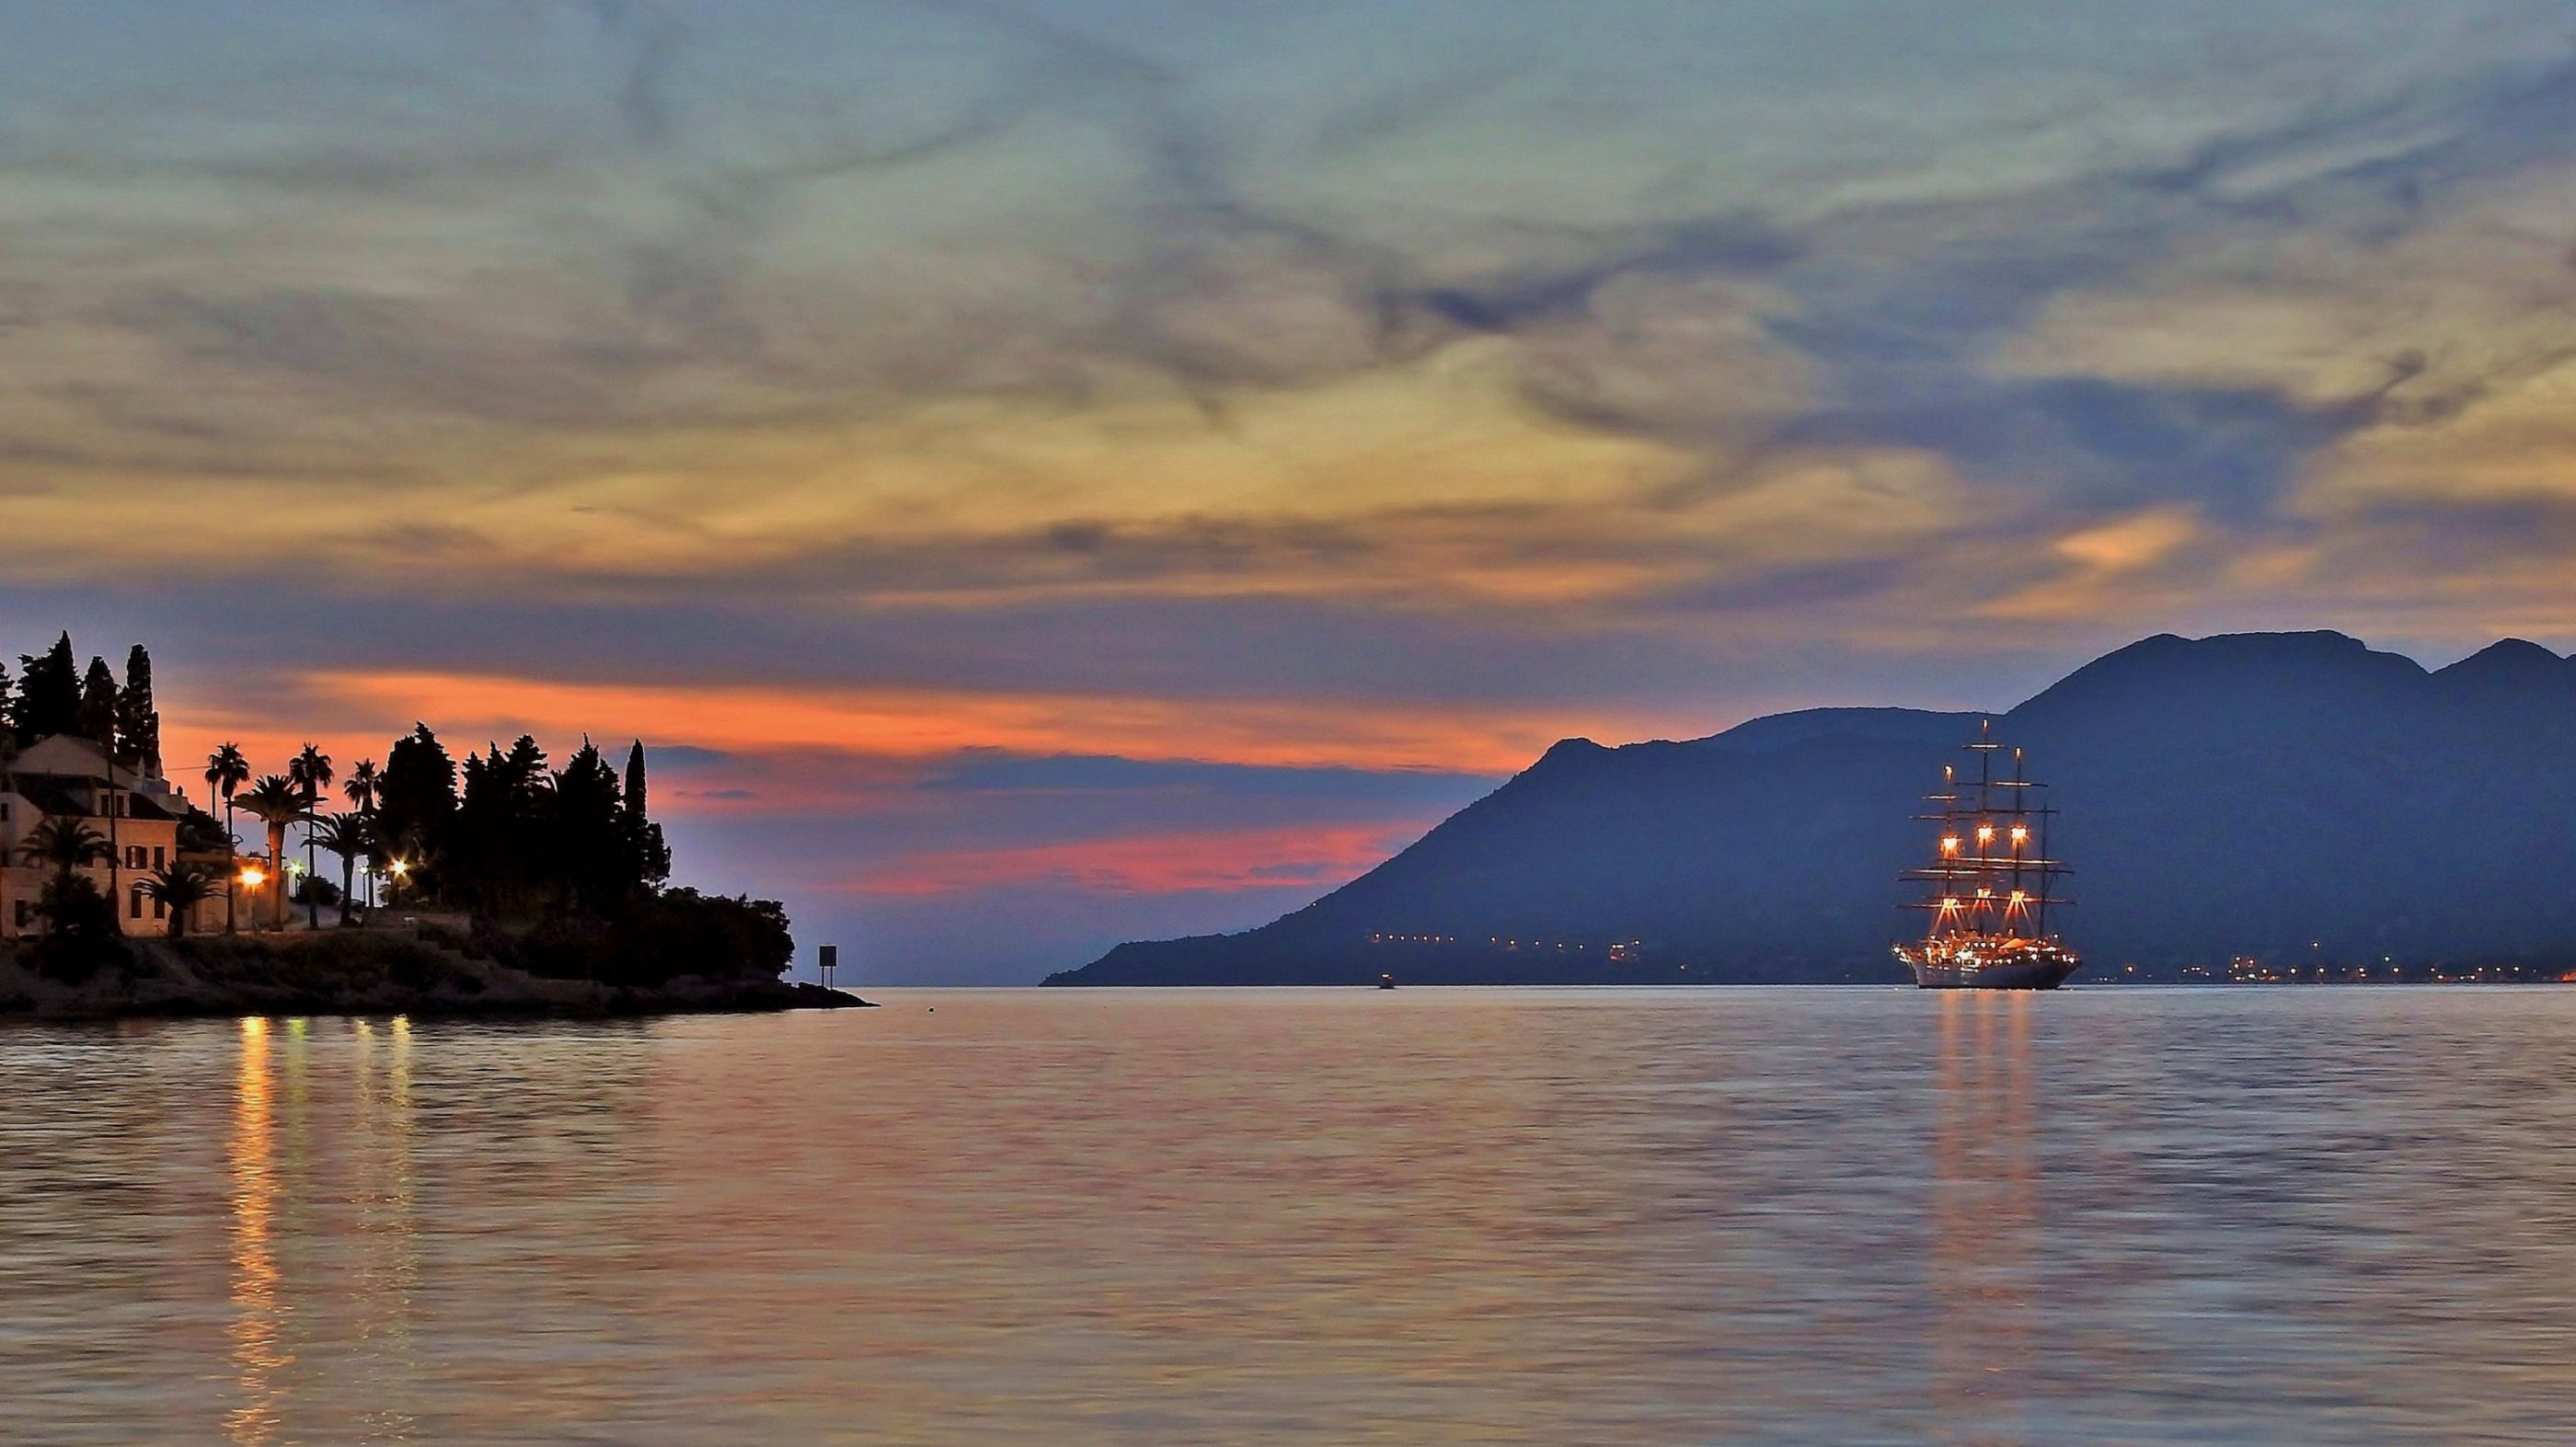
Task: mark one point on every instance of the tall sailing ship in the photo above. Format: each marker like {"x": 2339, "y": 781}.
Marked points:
{"x": 1991, "y": 882}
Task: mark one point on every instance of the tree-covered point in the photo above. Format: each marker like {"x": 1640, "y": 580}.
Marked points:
{"x": 563, "y": 869}
{"x": 566, "y": 857}
{"x": 508, "y": 837}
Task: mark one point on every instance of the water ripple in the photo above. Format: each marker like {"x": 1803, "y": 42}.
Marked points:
{"x": 2321, "y": 1216}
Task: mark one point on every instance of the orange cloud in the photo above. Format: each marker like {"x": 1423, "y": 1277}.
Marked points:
{"x": 2104, "y": 567}
{"x": 928, "y": 723}
{"x": 1316, "y": 857}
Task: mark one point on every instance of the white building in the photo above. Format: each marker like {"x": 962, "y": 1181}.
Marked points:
{"x": 138, "y": 812}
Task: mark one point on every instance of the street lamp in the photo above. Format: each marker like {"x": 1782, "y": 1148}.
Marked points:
{"x": 252, "y": 877}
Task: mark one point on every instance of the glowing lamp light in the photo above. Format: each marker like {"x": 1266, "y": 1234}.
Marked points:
{"x": 2020, "y": 834}
{"x": 398, "y": 869}
{"x": 1950, "y": 845}
{"x": 1985, "y": 833}
{"x": 254, "y": 876}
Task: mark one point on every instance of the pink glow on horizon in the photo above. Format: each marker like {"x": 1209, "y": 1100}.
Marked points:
{"x": 1225, "y": 861}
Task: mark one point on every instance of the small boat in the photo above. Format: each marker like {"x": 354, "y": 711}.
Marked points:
{"x": 1991, "y": 883}
{"x": 1386, "y": 982}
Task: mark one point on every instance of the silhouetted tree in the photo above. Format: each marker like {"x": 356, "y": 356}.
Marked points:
{"x": 49, "y": 693}
{"x": 361, "y": 787}
{"x": 502, "y": 852}
{"x": 65, "y": 846}
{"x": 203, "y": 833}
{"x": 226, "y": 771}
{"x": 651, "y": 854}
{"x": 96, "y": 717}
{"x": 80, "y": 929}
{"x": 348, "y": 836}
{"x": 138, "y": 719}
{"x": 177, "y": 888}
{"x": 310, "y": 772}
{"x": 635, "y": 780}
{"x": 416, "y": 807}
{"x": 276, "y": 802}
{"x": 80, "y": 923}
{"x": 593, "y": 843}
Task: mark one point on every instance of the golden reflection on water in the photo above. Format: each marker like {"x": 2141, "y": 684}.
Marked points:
{"x": 259, "y": 1351}
{"x": 388, "y": 1271}
{"x": 1543, "y": 1217}
{"x": 283, "y": 1192}
{"x": 1986, "y": 1230}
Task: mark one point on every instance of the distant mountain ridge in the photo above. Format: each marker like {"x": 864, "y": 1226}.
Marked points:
{"x": 2282, "y": 795}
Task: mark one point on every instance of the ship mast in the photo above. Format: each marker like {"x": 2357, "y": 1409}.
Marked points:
{"x": 1982, "y": 890}
{"x": 2020, "y": 833}
{"x": 1982, "y": 911}
{"x": 2046, "y": 875}
{"x": 1949, "y": 838}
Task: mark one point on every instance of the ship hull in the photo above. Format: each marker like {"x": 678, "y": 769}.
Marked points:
{"x": 2035, "y": 975}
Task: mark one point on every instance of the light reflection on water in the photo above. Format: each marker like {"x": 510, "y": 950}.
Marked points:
{"x": 1523, "y": 1216}
{"x": 259, "y": 1325}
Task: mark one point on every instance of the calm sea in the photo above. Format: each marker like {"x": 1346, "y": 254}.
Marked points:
{"x": 1813, "y": 1216}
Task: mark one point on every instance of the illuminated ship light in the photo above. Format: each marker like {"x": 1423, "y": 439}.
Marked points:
{"x": 1971, "y": 942}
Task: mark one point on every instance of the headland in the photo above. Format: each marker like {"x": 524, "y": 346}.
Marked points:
{"x": 502, "y": 885}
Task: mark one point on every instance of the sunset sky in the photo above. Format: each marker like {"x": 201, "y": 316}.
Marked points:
{"x": 1044, "y": 472}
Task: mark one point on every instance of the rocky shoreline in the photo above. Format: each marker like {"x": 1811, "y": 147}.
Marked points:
{"x": 367, "y": 972}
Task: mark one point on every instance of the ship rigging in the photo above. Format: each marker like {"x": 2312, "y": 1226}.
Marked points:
{"x": 1991, "y": 882}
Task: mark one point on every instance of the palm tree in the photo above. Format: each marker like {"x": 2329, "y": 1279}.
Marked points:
{"x": 347, "y": 835}
{"x": 226, "y": 771}
{"x": 311, "y": 772}
{"x": 65, "y": 845}
{"x": 276, "y": 802}
{"x": 361, "y": 790}
{"x": 178, "y": 888}
{"x": 361, "y": 787}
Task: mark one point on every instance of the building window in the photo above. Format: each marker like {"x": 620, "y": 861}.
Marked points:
{"x": 134, "y": 856}
{"x": 160, "y": 910}
{"x": 134, "y": 903}
{"x": 160, "y": 858}
{"x": 26, "y": 913}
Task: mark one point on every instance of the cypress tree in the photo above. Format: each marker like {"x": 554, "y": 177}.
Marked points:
{"x": 95, "y": 718}
{"x": 138, "y": 721}
{"x": 635, "y": 783}
{"x": 648, "y": 855}
{"x": 49, "y": 692}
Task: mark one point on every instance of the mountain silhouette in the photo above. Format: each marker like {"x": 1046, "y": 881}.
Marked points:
{"x": 2289, "y": 796}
